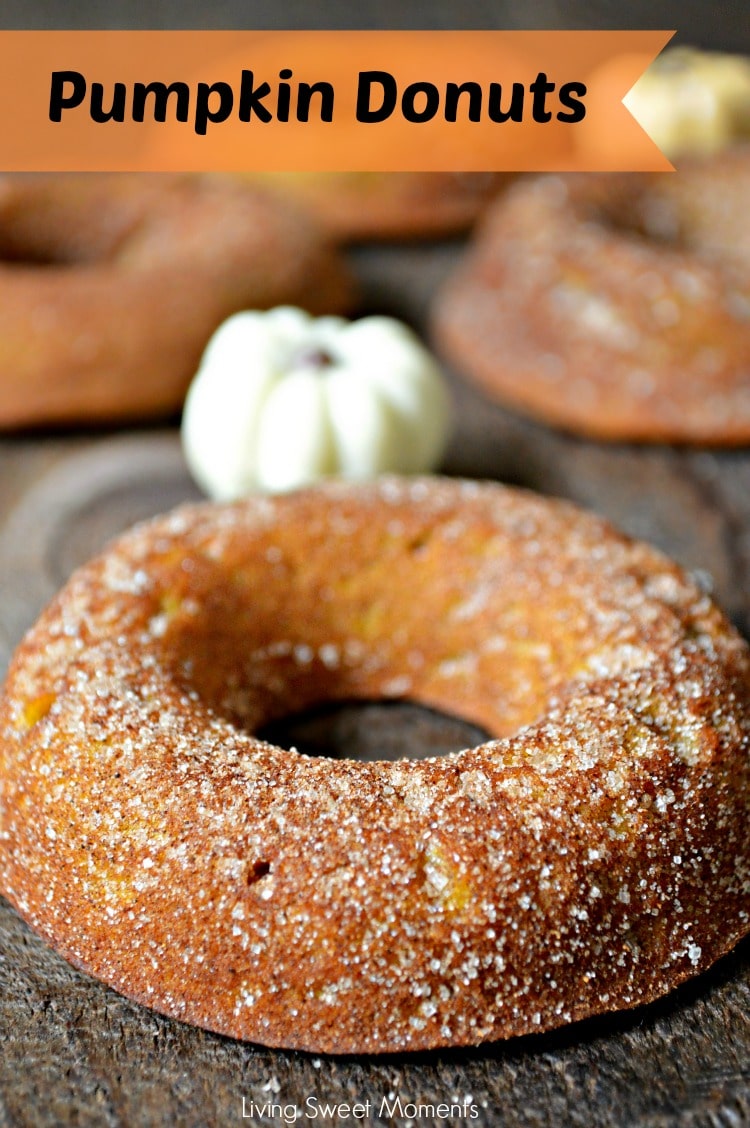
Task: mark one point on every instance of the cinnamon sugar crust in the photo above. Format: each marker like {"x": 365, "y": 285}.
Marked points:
{"x": 589, "y": 857}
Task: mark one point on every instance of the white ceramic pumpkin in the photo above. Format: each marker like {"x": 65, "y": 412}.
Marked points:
{"x": 282, "y": 399}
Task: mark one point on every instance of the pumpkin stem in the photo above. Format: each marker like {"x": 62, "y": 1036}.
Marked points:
{"x": 313, "y": 358}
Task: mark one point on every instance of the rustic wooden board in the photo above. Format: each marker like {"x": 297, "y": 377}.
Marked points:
{"x": 75, "y": 1053}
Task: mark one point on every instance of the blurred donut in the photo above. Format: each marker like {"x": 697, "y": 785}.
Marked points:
{"x": 113, "y": 284}
{"x": 615, "y": 306}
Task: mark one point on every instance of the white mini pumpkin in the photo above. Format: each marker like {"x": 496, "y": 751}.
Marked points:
{"x": 692, "y": 101}
{"x": 282, "y": 399}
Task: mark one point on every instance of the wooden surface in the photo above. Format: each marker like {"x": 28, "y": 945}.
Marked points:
{"x": 75, "y": 1053}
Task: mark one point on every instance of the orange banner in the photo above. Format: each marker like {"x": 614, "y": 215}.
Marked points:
{"x": 330, "y": 100}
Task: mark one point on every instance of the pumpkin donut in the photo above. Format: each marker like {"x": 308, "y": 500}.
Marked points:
{"x": 112, "y": 285}
{"x": 589, "y": 857}
{"x": 614, "y": 306}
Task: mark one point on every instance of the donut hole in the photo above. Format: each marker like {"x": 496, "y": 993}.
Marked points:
{"x": 373, "y": 730}
{"x": 47, "y": 222}
{"x": 295, "y": 648}
{"x": 28, "y": 250}
{"x": 17, "y": 257}
{"x": 664, "y": 218}
{"x": 644, "y": 216}
{"x": 364, "y": 679}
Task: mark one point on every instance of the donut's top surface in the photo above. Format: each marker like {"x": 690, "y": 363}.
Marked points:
{"x": 616, "y": 306}
{"x": 590, "y": 857}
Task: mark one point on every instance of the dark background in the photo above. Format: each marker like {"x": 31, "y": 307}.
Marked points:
{"x": 723, "y": 25}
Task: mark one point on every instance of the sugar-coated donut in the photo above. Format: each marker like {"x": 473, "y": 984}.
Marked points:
{"x": 589, "y": 857}
{"x": 614, "y": 306}
{"x": 112, "y": 284}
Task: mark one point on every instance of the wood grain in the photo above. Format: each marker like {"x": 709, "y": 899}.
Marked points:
{"x": 75, "y": 1053}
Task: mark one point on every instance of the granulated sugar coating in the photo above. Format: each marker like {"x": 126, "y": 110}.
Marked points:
{"x": 613, "y": 306}
{"x": 589, "y": 858}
